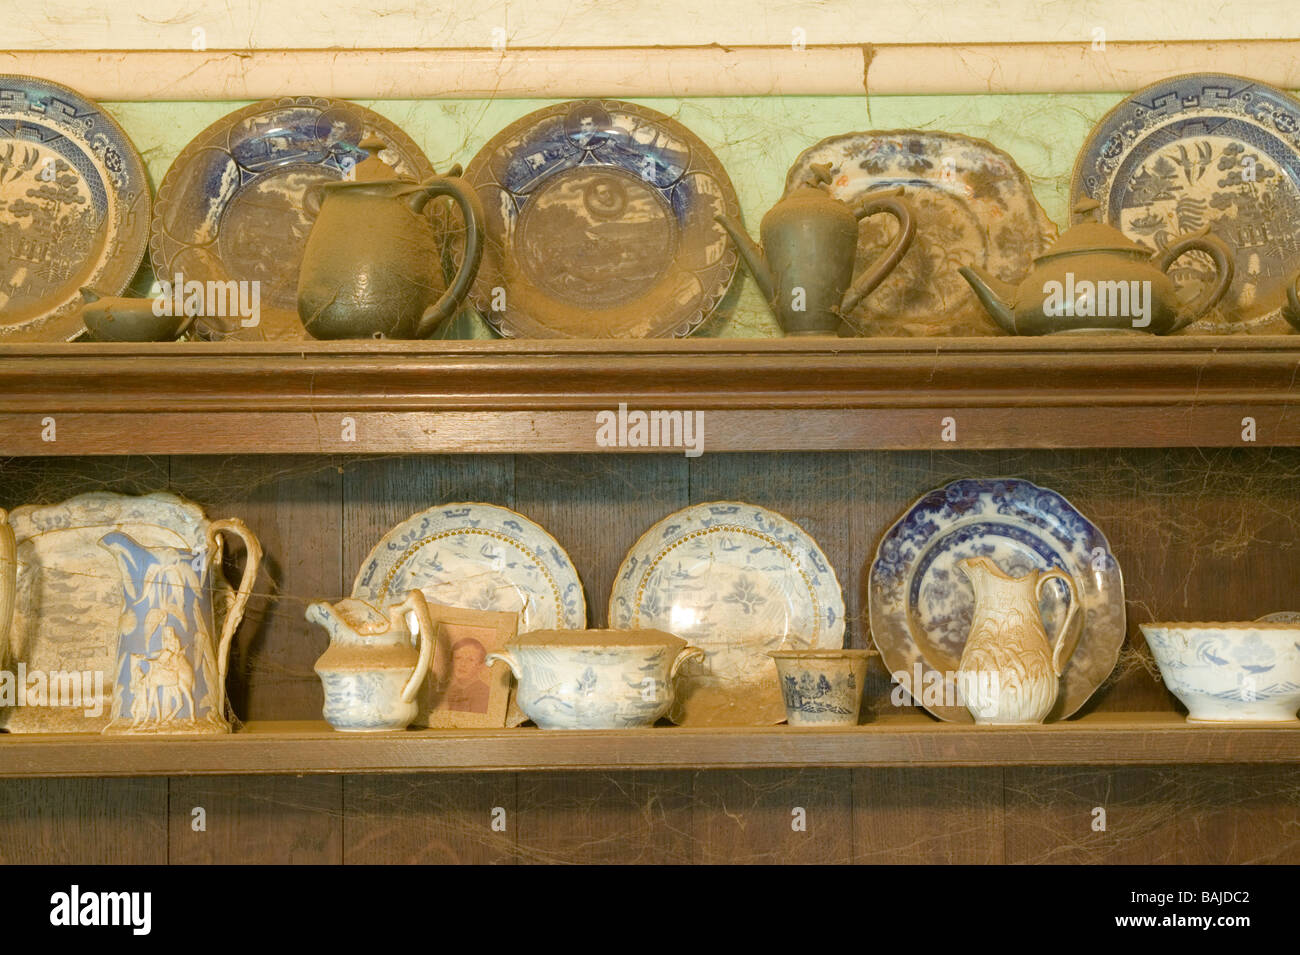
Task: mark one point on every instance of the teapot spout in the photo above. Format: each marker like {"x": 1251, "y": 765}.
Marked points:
{"x": 753, "y": 256}
{"x": 995, "y": 295}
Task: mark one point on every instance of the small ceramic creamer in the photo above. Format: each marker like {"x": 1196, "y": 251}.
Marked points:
{"x": 1009, "y": 673}
{"x": 372, "y": 670}
{"x": 595, "y": 679}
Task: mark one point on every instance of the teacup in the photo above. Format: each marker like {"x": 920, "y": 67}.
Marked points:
{"x": 822, "y": 687}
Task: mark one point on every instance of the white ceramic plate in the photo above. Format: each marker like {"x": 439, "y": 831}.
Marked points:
{"x": 737, "y": 581}
{"x": 477, "y": 557}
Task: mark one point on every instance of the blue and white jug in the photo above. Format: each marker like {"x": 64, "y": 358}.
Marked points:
{"x": 170, "y": 671}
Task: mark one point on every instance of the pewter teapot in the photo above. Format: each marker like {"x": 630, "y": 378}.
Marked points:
{"x": 809, "y": 243}
{"x": 372, "y": 267}
{"x": 1094, "y": 278}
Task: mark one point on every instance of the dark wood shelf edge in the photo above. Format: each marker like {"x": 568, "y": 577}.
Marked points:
{"x": 309, "y": 749}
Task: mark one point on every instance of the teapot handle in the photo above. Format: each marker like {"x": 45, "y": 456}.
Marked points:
{"x": 415, "y": 605}
{"x": 471, "y": 208}
{"x": 1224, "y": 266}
{"x": 8, "y": 582}
{"x": 252, "y": 561}
{"x": 893, "y": 203}
{"x": 1291, "y": 311}
{"x": 1058, "y": 666}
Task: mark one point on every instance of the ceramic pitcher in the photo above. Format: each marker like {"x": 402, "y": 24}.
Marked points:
{"x": 170, "y": 672}
{"x": 1009, "y": 673}
{"x": 371, "y": 670}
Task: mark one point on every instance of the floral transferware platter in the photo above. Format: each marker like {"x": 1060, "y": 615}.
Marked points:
{"x": 738, "y": 581}
{"x": 74, "y": 208}
{"x": 973, "y": 206}
{"x": 1205, "y": 149}
{"x": 920, "y": 604}
{"x": 69, "y": 596}
{"x": 231, "y": 207}
{"x": 600, "y": 224}
{"x": 477, "y": 557}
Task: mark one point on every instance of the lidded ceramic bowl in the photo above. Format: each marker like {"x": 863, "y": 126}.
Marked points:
{"x": 1230, "y": 672}
{"x": 595, "y": 679}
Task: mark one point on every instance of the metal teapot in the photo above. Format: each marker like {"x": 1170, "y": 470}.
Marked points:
{"x": 809, "y": 243}
{"x": 1094, "y": 278}
{"x": 372, "y": 266}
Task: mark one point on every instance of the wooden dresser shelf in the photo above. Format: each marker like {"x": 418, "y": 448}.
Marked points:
{"x": 542, "y": 397}
{"x": 302, "y": 748}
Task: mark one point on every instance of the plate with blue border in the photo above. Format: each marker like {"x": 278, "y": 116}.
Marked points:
{"x": 74, "y": 208}
{"x": 600, "y": 224}
{"x": 1205, "y": 150}
{"x": 920, "y": 604}
{"x": 231, "y": 207}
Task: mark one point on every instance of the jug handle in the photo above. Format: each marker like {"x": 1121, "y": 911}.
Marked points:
{"x": 1058, "y": 666}
{"x": 415, "y": 606}
{"x": 252, "y": 561}
{"x": 688, "y": 653}
{"x": 8, "y": 582}
{"x": 893, "y": 203}
{"x": 1224, "y": 266}
{"x": 1291, "y": 311}
{"x": 471, "y": 208}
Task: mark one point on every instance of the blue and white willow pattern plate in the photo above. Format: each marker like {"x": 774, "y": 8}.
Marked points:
{"x": 735, "y": 580}
{"x": 920, "y": 604}
{"x": 74, "y": 208}
{"x": 972, "y": 205}
{"x": 600, "y": 224}
{"x": 1205, "y": 149}
{"x": 477, "y": 557}
{"x": 231, "y": 207}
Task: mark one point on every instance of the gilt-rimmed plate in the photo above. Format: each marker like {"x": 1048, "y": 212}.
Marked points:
{"x": 231, "y": 207}
{"x": 600, "y": 224}
{"x": 477, "y": 557}
{"x": 69, "y": 598}
{"x": 74, "y": 208}
{"x": 1205, "y": 149}
{"x": 920, "y": 604}
{"x": 973, "y": 206}
{"x": 738, "y": 581}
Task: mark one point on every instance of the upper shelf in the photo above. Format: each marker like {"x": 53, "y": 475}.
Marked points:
{"x": 544, "y": 396}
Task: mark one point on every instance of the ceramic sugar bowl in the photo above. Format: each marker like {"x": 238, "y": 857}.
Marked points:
{"x": 1230, "y": 672}
{"x": 595, "y": 679}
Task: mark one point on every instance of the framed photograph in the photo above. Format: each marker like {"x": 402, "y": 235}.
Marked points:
{"x": 461, "y": 690}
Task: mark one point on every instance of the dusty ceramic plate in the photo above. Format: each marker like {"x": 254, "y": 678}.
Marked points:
{"x": 600, "y": 224}
{"x": 477, "y": 557}
{"x": 920, "y": 604}
{"x": 973, "y": 206}
{"x": 70, "y": 594}
{"x": 74, "y": 208}
{"x": 231, "y": 205}
{"x": 1205, "y": 149}
{"x": 738, "y": 581}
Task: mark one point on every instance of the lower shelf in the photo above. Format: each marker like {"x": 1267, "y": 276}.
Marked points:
{"x": 896, "y": 740}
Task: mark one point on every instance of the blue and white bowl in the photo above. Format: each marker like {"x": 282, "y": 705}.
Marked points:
{"x": 1230, "y": 672}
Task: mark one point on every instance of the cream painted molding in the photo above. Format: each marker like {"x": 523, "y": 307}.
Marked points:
{"x": 561, "y": 73}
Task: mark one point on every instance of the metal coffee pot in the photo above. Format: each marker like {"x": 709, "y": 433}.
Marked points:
{"x": 810, "y": 241}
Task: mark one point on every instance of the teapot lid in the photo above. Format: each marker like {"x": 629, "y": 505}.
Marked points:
{"x": 1094, "y": 236}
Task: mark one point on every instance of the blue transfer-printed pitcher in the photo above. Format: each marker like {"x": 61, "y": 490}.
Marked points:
{"x": 170, "y": 672}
